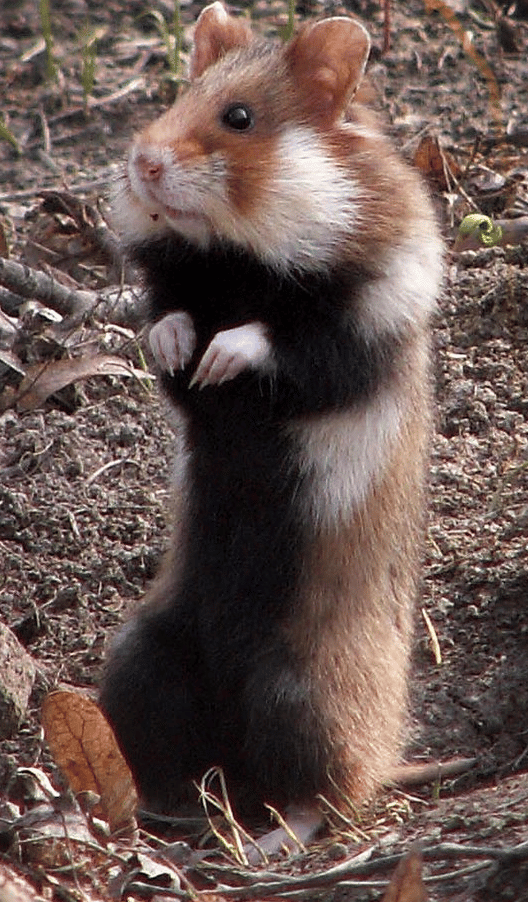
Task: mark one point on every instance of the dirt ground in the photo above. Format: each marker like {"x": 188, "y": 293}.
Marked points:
{"x": 84, "y": 477}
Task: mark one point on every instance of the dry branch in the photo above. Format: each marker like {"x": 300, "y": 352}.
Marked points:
{"x": 266, "y": 884}
{"x": 31, "y": 283}
{"x": 120, "y": 307}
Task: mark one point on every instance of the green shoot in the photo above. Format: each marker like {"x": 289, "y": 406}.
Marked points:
{"x": 178, "y": 34}
{"x": 45, "y": 22}
{"x": 7, "y": 135}
{"x": 88, "y": 42}
{"x": 172, "y": 41}
{"x": 288, "y": 33}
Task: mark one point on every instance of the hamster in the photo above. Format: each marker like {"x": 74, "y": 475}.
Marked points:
{"x": 291, "y": 262}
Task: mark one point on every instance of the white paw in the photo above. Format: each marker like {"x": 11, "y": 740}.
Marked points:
{"x": 233, "y": 351}
{"x": 173, "y": 341}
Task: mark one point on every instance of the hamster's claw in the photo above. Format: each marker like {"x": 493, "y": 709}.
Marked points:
{"x": 172, "y": 341}
{"x": 231, "y": 352}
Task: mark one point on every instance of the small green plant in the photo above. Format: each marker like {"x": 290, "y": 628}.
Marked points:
{"x": 178, "y": 33}
{"x": 172, "y": 40}
{"x": 88, "y": 42}
{"x": 291, "y": 20}
{"x": 45, "y": 24}
{"x": 487, "y": 232}
{"x": 7, "y": 135}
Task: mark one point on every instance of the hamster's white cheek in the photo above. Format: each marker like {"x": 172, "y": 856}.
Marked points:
{"x": 308, "y": 205}
{"x": 133, "y": 219}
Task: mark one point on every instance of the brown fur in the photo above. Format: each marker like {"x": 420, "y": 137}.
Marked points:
{"x": 355, "y": 630}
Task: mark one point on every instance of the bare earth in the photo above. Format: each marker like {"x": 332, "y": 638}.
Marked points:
{"x": 84, "y": 477}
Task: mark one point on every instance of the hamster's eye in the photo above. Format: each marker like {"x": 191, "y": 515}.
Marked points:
{"x": 238, "y": 116}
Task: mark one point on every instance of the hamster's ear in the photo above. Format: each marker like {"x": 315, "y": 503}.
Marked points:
{"x": 216, "y": 32}
{"x": 327, "y": 60}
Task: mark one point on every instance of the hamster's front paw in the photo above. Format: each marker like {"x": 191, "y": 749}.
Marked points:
{"x": 233, "y": 351}
{"x": 173, "y": 341}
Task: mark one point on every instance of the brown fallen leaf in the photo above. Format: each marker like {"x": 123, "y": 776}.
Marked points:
{"x": 44, "y": 379}
{"x": 436, "y": 164}
{"x": 407, "y": 882}
{"x": 85, "y": 749}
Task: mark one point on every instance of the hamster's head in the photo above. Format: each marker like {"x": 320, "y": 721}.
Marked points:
{"x": 251, "y": 153}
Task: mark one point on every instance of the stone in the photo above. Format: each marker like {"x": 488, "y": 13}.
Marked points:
{"x": 17, "y": 675}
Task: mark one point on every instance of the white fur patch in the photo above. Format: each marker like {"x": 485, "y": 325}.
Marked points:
{"x": 342, "y": 453}
{"x": 180, "y": 200}
{"x": 407, "y": 293}
{"x": 309, "y": 206}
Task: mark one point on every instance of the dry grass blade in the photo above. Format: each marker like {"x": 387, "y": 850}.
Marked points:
{"x": 467, "y": 45}
{"x": 207, "y": 798}
{"x": 435, "y": 645}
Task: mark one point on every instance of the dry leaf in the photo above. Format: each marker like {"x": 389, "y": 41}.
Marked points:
{"x": 84, "y": 747}
{"x": 41, "y": 832}
{"x": 407, "y": 883}
{"x": 43, "y": 380}
{"x": 436, "y": 164}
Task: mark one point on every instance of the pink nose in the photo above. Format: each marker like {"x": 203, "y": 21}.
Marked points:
{"x": 148, "y": 169}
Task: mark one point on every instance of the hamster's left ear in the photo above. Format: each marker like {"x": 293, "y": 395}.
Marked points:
{"x": 327, "y": 60}
{"x": 215, "y": 33}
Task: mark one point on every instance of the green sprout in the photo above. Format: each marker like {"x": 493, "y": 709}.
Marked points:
{"x": 286, "y": 31}
{"x": 173, "y": 42}
{"x": 45, "y": 22}
{"x": 178, "y": 37}
{"x": 488, "y": 233}
{"x": 7, "y": 135}
{"x": 88, "y": 41}
{"x": 291, "y": 20}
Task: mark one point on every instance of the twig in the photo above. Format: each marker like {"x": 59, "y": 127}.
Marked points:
{"x": 518, "y": 137}
{"x": 88, "y": 220}
{"x": 122, "y": 308}
{"x": 267, "y": 885}
{"x": 414, "y": 774}
{"x": 81, "y": 188}
{"x": 32, "y": 283}
{"x": 94, "y": 102}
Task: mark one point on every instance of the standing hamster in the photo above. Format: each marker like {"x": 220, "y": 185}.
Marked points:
{"x": 292, "y": 262}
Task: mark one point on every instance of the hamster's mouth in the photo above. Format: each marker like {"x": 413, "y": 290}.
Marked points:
{"x": 174, "y": 214}
{"x": 156, "y": 207}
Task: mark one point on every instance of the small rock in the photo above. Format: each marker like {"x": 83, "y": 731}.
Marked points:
{"x": 17, "y": 675}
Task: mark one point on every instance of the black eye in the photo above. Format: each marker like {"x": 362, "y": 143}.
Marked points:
{"x": 238, "y": 116}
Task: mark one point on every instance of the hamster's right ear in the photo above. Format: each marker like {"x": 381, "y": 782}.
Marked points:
{"x": 216, "y": 32}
